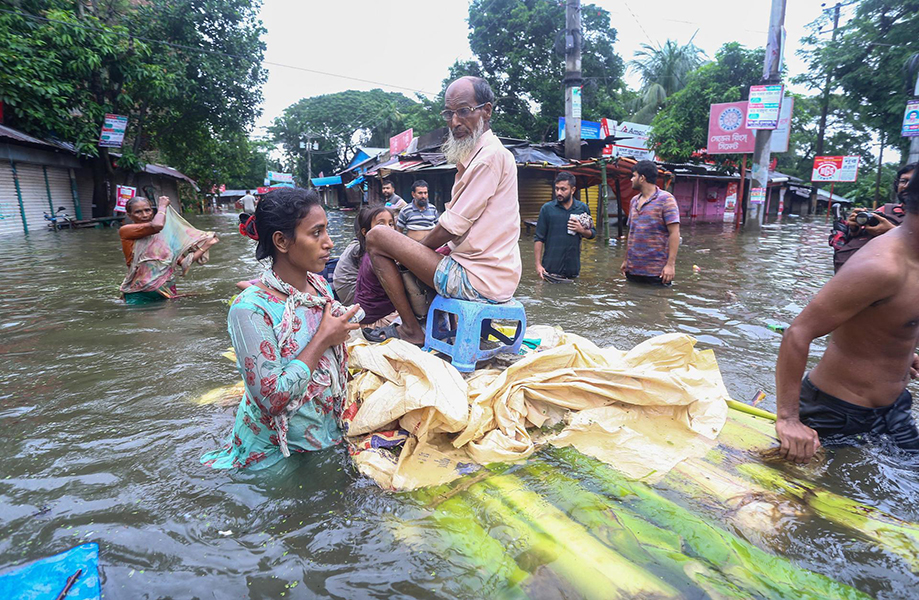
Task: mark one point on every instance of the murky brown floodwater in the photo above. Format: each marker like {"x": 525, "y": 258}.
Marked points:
{"x": 101, "y": 437}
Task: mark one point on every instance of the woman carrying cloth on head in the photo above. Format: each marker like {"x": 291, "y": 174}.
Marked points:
{"x": 155, "y": 246}
{"x": 289, "y": 336}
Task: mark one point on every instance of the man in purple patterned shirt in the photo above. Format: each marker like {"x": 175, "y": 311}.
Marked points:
{"x": 654, "y": 229}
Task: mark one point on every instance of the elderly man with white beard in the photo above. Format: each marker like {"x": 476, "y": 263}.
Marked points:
{"x": 472, "y": 253}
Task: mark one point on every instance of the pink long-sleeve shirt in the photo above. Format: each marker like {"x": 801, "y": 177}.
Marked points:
{"x": 485, "y": 213}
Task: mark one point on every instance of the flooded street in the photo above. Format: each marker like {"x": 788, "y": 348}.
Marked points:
{"x": 102, "y": 435}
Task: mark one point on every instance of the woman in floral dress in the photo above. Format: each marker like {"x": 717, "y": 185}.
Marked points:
{"x": 289, "y": 335}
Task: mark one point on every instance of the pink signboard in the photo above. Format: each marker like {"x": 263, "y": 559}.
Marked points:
{"x": 727, "y": 133}
{"x": 400, "y": 142}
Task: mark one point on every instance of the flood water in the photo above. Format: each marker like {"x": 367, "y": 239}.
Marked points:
{"x": 101, "y": 435}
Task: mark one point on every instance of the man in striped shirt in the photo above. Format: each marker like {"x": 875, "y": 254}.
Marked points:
{"x": 419, "y": 217}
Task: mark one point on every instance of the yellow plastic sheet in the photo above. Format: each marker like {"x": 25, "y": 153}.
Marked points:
{"x": 641, "y": 411}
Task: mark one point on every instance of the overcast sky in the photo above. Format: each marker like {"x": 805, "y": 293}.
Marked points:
{"x": 408, "y": 46}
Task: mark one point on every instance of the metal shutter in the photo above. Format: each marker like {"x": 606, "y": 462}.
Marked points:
{"x": 61, "y": 193}
{"x": 533, "y": 190}
{"x": 85, "y": 190}
{"x": 34, "y": 195}
{"x": 10, "y": 221}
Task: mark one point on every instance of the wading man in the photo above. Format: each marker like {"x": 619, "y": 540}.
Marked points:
{"x": 557, "y": 249}
{"x": 418, "y": 218}
{"x": 654, "y": 230}
{"x": 480, "y": 226}
{"x": 390, "y": 198}
{"x": 859, "y": 385}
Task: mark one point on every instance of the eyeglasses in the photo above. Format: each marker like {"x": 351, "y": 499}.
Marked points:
{"x": 462, "y": 113}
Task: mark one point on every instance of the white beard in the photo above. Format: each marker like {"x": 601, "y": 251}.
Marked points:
{"x": 457, "y": 151}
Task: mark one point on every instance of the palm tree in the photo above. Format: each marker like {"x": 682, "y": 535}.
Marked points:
{"x": 663, "y": 72}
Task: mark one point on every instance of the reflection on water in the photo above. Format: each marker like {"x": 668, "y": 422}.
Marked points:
{"x": 102, "y": 437}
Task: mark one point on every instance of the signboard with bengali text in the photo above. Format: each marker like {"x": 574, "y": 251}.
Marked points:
{"x": 764, "y": 107}
{"x": 911, "y": 119}
{"x": 112, "y": 134}
{"x": 835, "y": 168}
{"x": 123, "y": 194}
{"x": 727, "y": 132}
{"x": 280, "y": 177}
{"x": 400, "y": 142}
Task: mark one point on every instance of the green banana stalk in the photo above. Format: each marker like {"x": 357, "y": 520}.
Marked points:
{"x": 635, "y": 538}
{"x": 546, "y": 534}
{"x": 887, "y": 531}
{"x": 455, "y": 523}
{"x": 772, "y": 576}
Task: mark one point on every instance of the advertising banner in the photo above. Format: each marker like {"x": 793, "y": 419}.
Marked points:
{"x": 911, "y": 119}
{"x": 727, "y": 133}
{"x": 400, "y": 142}
{"x": 757, "y": 195}
{"x": 730, "y": 202}
{"x": 112, "y": 135}
{"x": 835, "y": 168}
{"x": 590, "y": 130}
{"x": 576, "y": 102}
{"x": 123, "y": 194}
{"x": 765, "y": 106}
{"x": 280, "y": 177}
{"x": 635, "y": 144}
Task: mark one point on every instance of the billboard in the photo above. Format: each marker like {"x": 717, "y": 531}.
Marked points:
{"x": 835, "y": 168}
{"x": 112, "y": 134}
{"x": 400, "y": 142}
{"x": 727, "y": 130}
{"x": 911, "y": 119}
{"x": 590, "y": 130}
{"x": 764, "y": 106}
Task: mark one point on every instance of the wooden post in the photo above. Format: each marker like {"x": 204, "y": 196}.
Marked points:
{"x": 603, "y": 212}
{"x": 829, "y": 203}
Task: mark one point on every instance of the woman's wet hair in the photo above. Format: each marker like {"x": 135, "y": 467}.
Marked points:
{"x": 364, "y": 220}
{"x": 130, "y": 205}
{"x": 911, "y": 196}
{"x": 280, "y": 210}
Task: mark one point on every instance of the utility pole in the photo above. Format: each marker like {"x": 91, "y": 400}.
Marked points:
{"x": 573, "y": 79}
{"x": 309, "y": 157}
{"x": 772, "y": 75}
{"x": 825, "y": 108}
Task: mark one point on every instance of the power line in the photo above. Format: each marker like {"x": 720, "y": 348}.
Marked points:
{"x": 218, "y": 52}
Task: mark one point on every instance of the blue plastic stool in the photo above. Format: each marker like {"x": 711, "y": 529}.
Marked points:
{"x": 473, "y": 324}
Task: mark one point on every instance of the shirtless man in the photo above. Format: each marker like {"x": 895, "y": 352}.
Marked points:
{"x": 859, "y": 385}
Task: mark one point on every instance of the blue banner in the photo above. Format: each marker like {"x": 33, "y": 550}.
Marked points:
{"x": 590, "y": 130}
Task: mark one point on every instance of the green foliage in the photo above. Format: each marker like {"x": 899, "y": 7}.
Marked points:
{"x": 867, "y": 63}
{"x": 515, "y": 44}
{"x": 339, "y": 122}
{"x": 186, "y": 73}
{"x": 680, "y": 129}
{"x": 664, "y": 70}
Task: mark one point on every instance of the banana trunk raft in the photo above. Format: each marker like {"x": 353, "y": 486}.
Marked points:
{"x": 567, "y": 516}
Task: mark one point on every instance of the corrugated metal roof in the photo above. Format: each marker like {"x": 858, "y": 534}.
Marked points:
{"x": 13, "y": 134}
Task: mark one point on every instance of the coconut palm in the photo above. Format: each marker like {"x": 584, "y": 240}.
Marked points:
{"x": 663, "y": 72}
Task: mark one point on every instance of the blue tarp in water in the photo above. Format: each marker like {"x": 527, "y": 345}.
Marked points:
{"x": 45, "y": 578}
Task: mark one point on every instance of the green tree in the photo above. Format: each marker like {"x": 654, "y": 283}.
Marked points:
{"x": 680, "y": 128}
{"x": 514, "y": 42}
{"x": 867, "y": 63}
{"x": 339, "y": 122}
{"x": 664, "y": 71}
{"x": 186, "y": 73}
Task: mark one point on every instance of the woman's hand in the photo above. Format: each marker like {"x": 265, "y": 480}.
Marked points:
{"x": 335, "y": 330}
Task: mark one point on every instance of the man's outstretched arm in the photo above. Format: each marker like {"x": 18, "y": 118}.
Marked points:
{"x": 843, "y": 297}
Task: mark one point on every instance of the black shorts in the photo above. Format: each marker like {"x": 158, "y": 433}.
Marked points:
{"x": 652, "y": 279}
{"x": 830, "y": 416}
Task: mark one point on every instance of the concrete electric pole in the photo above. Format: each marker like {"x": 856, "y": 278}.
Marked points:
{"x": 573, "y": 79}
{"x": 772, "y": 74}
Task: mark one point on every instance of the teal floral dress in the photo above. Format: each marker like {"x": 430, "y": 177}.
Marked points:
{"x": 286, "y": 407}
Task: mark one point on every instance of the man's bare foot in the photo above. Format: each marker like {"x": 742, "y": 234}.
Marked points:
{"x": 415, "y": 335}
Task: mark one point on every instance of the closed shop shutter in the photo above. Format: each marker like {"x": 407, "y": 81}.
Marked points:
{"x": 61, "y": 193}
{"x": 534, "y": 188}
{"x": 34, "y": 195}
{"x": 85, "y": 190}
{"x": 10, "y": 221}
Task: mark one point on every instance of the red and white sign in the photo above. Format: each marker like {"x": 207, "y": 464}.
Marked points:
{"x": 123, "y": 194}
{"x": 400, "y": 142}
{"x": 262, "y": 190}
{"x": 730, "y": 202}
{"x": 727, "y": 132}
{"x": 835, "y": 168}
